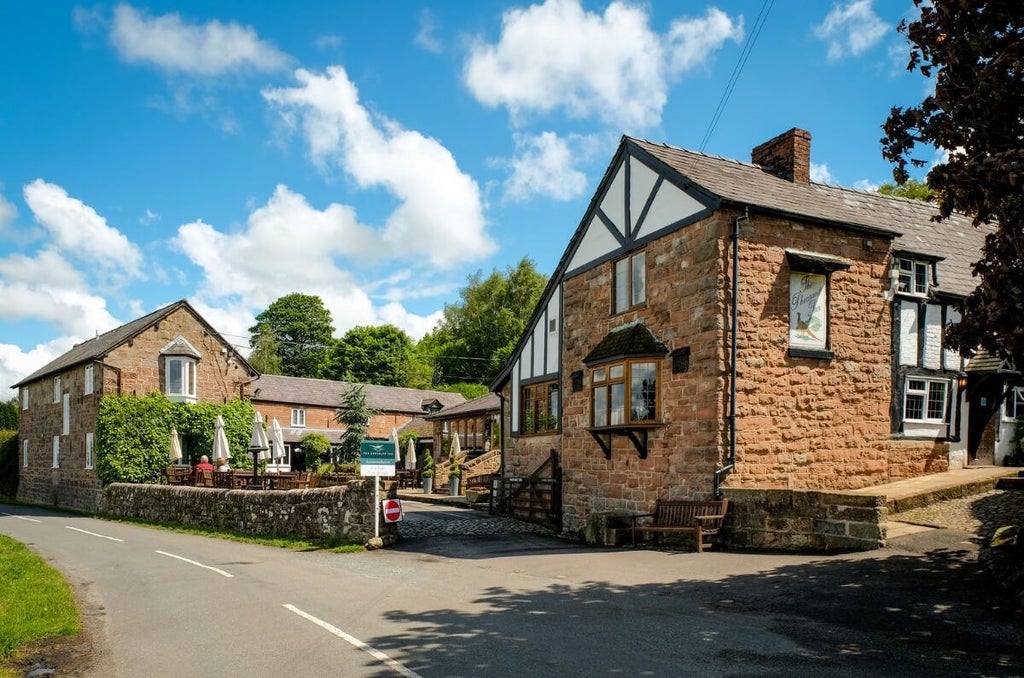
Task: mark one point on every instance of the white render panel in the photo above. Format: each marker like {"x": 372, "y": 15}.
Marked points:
{"x": 515, "y": 396}
{"x": 538, "y": 346}
{"x": 613, "y": 204}
{"x": 526, "y": 360}
{"x": 933, "y": 337}
{"x": 669, "y": 206}
{"x": 641, "y": 182}
{"x": 908, "y": 333}
{"x": 552, "y": 337}
{"x": 951, "y": 358}
{"x": 596, "y": 243}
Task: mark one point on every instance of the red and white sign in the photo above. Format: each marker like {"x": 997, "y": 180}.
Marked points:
{"x": 392, "y": 510}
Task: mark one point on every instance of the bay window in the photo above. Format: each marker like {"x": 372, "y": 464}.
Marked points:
{"x": 180, "y": 384}
{"x": 624, "y": 393}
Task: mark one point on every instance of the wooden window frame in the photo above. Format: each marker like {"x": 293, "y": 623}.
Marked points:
{"x": 909, "y": 271}
{"x": 189, "y": 372}
{"x": 630, "y": 291}
{"x": 602, "y": 378}
{"x": 926, "y": 399}
{"x": 540, "y": 408}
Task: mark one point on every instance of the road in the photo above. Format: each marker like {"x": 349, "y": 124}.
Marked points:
{"x": 521, "y": 605}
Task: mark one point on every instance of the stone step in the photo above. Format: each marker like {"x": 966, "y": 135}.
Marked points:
{"x": 1011, "y": 483}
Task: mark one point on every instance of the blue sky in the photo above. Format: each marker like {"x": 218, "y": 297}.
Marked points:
{"x": 376, "y": 154}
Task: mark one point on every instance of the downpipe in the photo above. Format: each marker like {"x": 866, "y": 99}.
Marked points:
{"x": 731, "y": 461}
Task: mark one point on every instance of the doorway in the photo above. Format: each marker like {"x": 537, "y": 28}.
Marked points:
{"x": 984, "y": 395}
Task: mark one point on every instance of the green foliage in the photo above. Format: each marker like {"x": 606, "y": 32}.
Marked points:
{"x": 315, "y": 449}
{"x": 36, "y": 602}
{"x": 265, "y": 357}
{"x": 355, "y": 415}
{"x": 9, "y": 415}
{"x": 971, "y": 52}
{"x": 477, "y": 335}
{"x": 467, "y": 390}
{"x": 304, "y": 331}
{"x": 427, "y": 465}
{"x": 911, "y": 188}
{"x": 133, "y": 434}
{"x": 373, "y": 355}
{"x": 8, "y": 463}
{"x": 1016, "y": 455}
{"x": 456, "y": 468}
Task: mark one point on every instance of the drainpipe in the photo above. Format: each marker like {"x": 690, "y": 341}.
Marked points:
{"x": 731, "y": 461}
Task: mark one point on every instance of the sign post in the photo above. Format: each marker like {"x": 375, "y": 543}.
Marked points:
{"x": 377, "y": 459}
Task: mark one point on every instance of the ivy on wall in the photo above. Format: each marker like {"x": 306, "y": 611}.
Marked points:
{"x": 133, "y": 434}
{"x": 8, "y": 463}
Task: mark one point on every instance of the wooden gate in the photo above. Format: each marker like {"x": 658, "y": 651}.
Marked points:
{"x": 534, "y": 499}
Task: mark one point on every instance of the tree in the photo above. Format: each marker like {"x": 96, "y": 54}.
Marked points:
{"x": 355, "y": 415}
{"x": 911, "y": 188}
{"x": 265, "y": 357}
{"x": 9, "y": 415}
{"x": 476, "y": 335}
{"x": 373, "y": 355}
{"x": 315, "y": 448}
{"x": 975, "y": 51}
{"x": 304, "y": 331}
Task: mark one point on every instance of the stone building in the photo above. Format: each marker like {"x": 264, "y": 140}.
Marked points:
{"x": 172, "y": 350}
{"x": 303, "y": 406}
{"x": 716, "y": 324}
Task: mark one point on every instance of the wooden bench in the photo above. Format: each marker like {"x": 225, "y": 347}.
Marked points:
{"x": 702, "y": 519}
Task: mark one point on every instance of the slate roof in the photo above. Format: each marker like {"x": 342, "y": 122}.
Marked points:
{"x": 487, "y": 403}
{"x": 634, "y": 339}
{"x": 99, "y": 347}
{"x": 955, "y": 240}
{"x": 326, "y": 393}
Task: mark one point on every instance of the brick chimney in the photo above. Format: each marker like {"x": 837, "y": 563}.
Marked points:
{"x": 787, "y": 155}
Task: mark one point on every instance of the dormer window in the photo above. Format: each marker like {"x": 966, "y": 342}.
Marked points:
{"x": 180, "y": 360}
{"x": 913, "y": 277}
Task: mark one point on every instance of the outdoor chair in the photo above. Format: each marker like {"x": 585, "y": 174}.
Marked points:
{"x": 204, "y": 478}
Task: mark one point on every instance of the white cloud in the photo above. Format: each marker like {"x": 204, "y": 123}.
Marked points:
{"x": 427, "y": 35}
{"x": 543, "y": 165}
{"x": 851, "y": 29}
{"x": 821, "y": 174}
{"x": 79, "y": 231}
{"x": 866, "y": 185}
{"x": 245, "y": 271}
{"x": 327, "y": 42}
{"x": 209, "y": 49}
{"x": 149, "y": 217}
{"x": 612, "y": 66}
{"x": 76, "y": 312}
{"x": 439, "y": 215}
{"x": 16, "y": 364}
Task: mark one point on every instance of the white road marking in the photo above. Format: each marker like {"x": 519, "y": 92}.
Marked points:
{"x": 31, "y": 520}
{"x": 355, "y": 642}
{"x": 192, "y": 562}
{"x": 93, "y": 534}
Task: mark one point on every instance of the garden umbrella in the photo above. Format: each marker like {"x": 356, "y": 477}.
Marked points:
{"x": 258, "y": 444}
{"x": 176, "y": 454}
{"x": 277, "y": 434}
{"x": 394, "y": 441}
{"x": 410, "y": 456}
{"x": 456, "y": 446}
{"x": 221, "y": 449}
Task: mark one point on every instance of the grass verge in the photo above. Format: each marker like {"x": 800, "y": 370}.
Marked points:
{"x": 36, "y": 601}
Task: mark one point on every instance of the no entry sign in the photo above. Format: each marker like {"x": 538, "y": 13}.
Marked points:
{"x": 392, "y": 510}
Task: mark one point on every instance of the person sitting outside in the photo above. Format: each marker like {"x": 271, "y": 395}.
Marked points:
{"x": 222, "y": 464}
{"x": 204, "y": 464}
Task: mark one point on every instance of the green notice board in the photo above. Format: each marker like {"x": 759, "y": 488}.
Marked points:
{"x": 377, "y": 458}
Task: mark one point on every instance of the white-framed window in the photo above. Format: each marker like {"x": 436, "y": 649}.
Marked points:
{"x": 180, "y": 382}
{"x": 24, "y": 454}
{"x": 90, "y": 446}
{"x": 630, "y": 282}
{"x": 913, "y": 277}
{"x": 65, "y": 424}
{"x": 56, "y": 389}
{"x": 56, "y": 451}
{"x": 1013, "y": 408}
{"x": 299, "y": 416}
{"x": 925, "y": 400}
{"x": 24, "y": 397}
{"x": 90, "y": 375}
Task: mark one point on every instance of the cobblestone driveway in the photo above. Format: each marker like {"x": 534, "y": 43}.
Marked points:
{"x": 979, "y": 515}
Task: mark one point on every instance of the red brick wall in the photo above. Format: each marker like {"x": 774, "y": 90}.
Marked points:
{"x": 323, "y": 417}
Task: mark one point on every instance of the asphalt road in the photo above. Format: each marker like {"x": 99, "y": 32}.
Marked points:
{"x": 522, "y": 605}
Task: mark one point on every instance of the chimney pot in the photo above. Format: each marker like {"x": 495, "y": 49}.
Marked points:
{"x": 787, "y": 155}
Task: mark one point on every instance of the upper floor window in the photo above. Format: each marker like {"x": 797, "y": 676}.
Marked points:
{"x": 1014, "y": 406}
{"x": 299, "y": 416}
{"x": 913, "y": 277}
{"x": 925, "y": 400}
{"x": 624, "y": 393}
{"x": 180, "y": 382}
{"x": 540, "y": 408}
{"x": 630, "y": 282}
{"x": 24, "y": 397}
{"x": 56, "y": 389}
{"x": 90, "y": 374}
{"x": 810, "y": 281}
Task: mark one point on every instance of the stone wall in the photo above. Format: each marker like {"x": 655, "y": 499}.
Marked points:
{"x": 804, "y": 520}
{"x": 343, "y": 512}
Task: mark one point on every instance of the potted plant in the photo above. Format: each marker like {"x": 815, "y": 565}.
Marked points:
{"x": 427, "y": 473}
{"x": 454, "y": 476}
